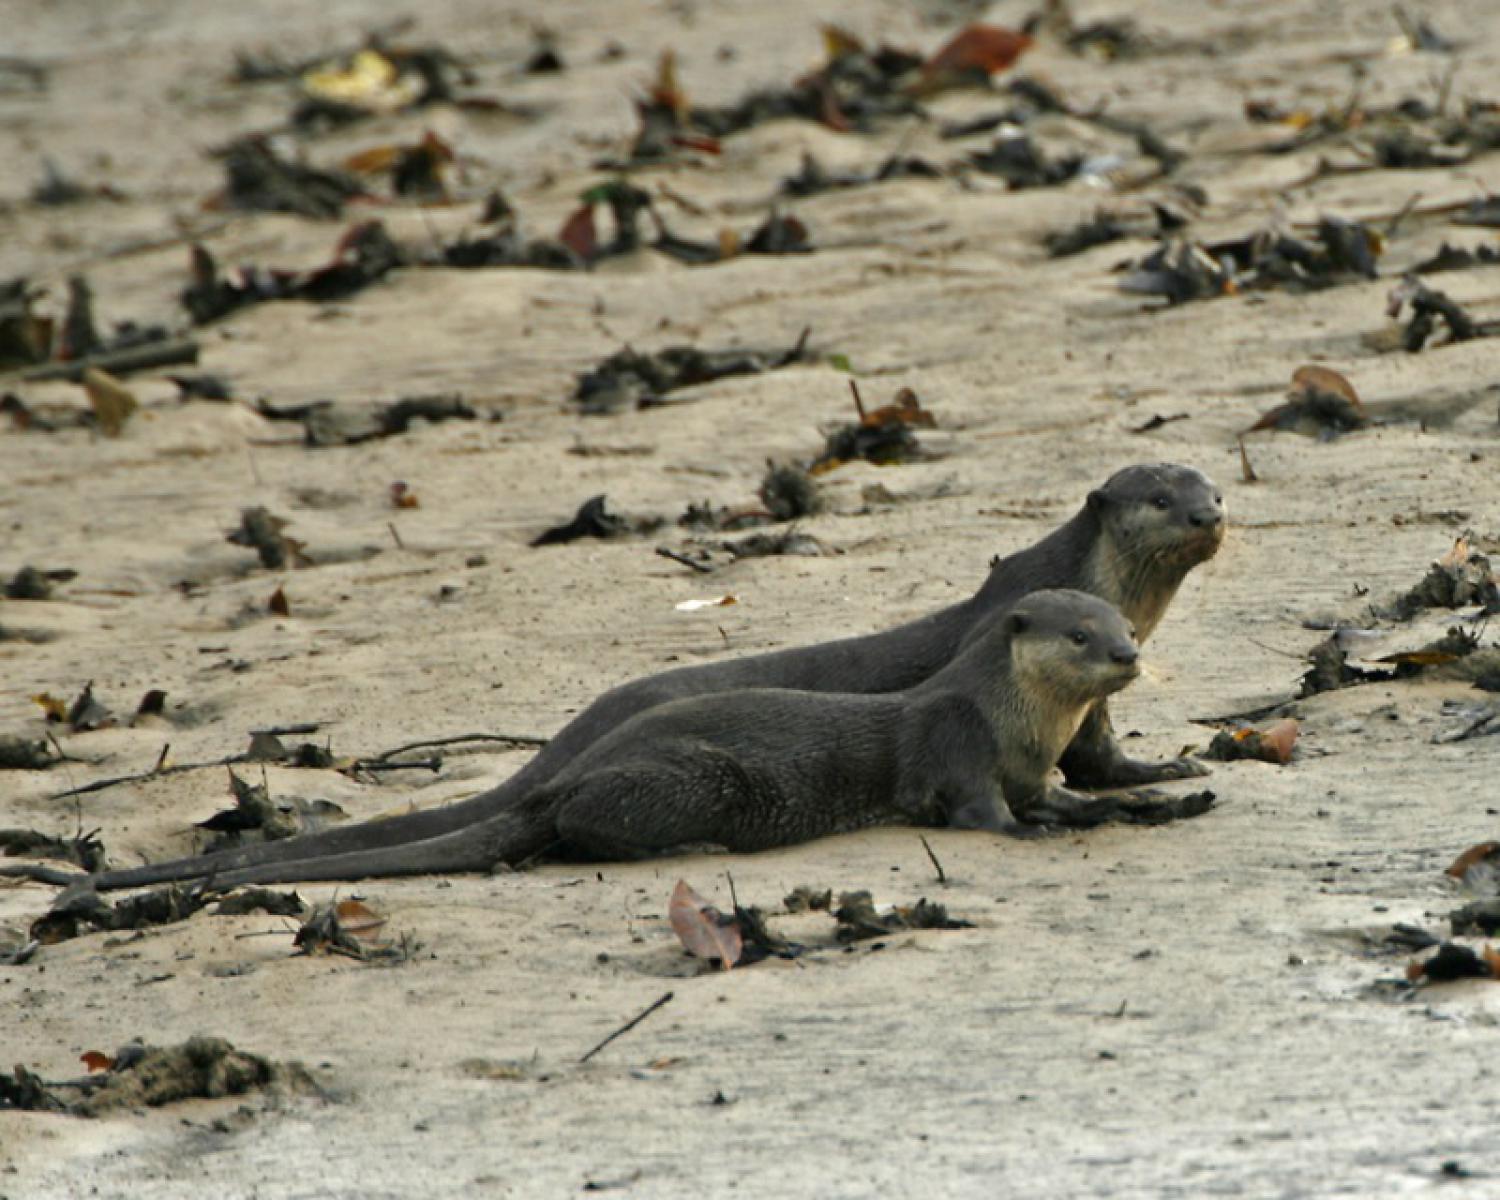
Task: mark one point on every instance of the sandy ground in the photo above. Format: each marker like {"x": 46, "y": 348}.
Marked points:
{"x": 1183, "y": 1011}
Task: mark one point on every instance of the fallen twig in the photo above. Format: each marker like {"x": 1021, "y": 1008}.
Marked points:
{"x": 119, "y": 362}
{"x": 937, "y": 866}
{"x": 627, "y": 1027}
{"x": 516, "y": 739}
{"x": 176, "y": 769}
{"x": 701, "y": 568}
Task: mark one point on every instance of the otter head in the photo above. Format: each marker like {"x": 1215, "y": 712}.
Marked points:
{"x": 1157, "y": 521}
{"x": 1068, "y": 648}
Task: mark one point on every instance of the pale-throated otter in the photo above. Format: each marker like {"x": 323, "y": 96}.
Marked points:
{"x": 757, "y": 768}
{"x": 1132, "y": 543}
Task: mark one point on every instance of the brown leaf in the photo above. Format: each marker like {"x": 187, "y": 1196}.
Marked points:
{"x": 359, "y": 919}
{"x": 1471, "y": 858}
{"x": 665, "y": 91}
{"x": 1459, "y": 555}
{"x": 839, "y": 42}
{"x": 1279, "y": 739}
{"x": 403, "y": 497}
{"x": 1323, "y": 379}
{"x": 1418, "y": 658}
{"x": 906, "y": 410}
{"x": 373, "y": 161}
{"x": 56, "y": 710}
{"x": 975, "y": 49}
{"x": 110, "y": 399}
{"x": 703, "y": 931}
{"x": 95, "y": 1061}
{"x": 578, "y": 233}
{"x": 278, "y": 603}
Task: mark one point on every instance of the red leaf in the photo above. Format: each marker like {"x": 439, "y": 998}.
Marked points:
{"x": 1312, "y": 378}
{"x": 986, "y": 48}
{"x": 578, "y": 233}
{"x": 702, "y": 929}
{"x": 359, "y": 919}
{"x": 1278, "y": 740}
{"x": 95, "y": 1061}
{"x": 1472, "y": 857}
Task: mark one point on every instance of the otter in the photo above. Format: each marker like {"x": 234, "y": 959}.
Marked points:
{"x": 1132, "y": 543}
{"x": 742, "y": 771}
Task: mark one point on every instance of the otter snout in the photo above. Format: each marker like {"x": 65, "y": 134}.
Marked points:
{"x": 1125, "y": 656}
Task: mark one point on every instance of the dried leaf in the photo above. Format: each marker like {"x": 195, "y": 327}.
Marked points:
{"x": 1472, "y": 857}
{"x": 403, "y": 497}
{"x": 56, "y": 710}
{"x": 1272, "y": 745}
{"x": 703, "y": 931}
{"x": 359, "y": 919}
{"x": 578, "y": 233}
{"x": 110, "y": 399}
{"x": 975, "y": 50}
{"x": 369, "y": 80}
{"x": 1280, "y": 738}
{"x": 95, "y": 1061}
{"x": 278, "y": 603}
{"x": 374, "y": 161}
{"x": 839, "y": 42}
{"x": 1419, "y": 658}
{"x": 666, "y": 91}
{"x": 1313, "y": 378}
{"x": 906, "y": 410}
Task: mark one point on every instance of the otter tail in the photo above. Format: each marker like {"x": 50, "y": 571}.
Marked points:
{"x": 519, "y": 833}
{"x": 365, "y": 837}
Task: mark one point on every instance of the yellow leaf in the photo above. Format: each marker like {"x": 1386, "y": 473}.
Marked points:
{"x": 56, "y": 710}
{"x": 110, "y": 399}
{"x": 369, "y": 80}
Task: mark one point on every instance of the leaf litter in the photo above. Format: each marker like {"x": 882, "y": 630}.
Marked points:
{"x": 742, "y": 936}
{"x": 855, "y": 89}
{"x": 630, "y": 379}
{"x": 142, "y": 1076}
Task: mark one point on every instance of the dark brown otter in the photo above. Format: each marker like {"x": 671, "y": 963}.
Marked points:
{"x": 1132, "y": 543}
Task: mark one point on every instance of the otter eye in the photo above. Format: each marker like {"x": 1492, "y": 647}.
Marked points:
{"x": 1162, "y": 502}
{"x": 1218, "y": 497}
{"x": 1080, "y": 638}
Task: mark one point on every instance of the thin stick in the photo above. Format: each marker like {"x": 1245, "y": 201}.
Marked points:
{"x": 100, "y": 784}
{"x": 859, "y": 405}
{"x": 118, "y": 362}
{"x": 1247, "y": 472}
{"x": 701, "y": 568}
{"x": 942, "y": 876}
{"x": 416, "y": 764}
{"x": 395, "y": 537}
{"x": 1401, "y": 214}
{"x": 518, "y": 739}
{"x": 627, "y": 1027}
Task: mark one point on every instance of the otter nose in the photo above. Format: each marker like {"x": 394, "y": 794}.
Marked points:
{"x": 1125, "y": 655}
{"x": 1206, "y": 518}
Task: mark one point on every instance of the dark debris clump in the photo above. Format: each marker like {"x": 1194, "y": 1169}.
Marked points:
{"x": 629, "y": 379}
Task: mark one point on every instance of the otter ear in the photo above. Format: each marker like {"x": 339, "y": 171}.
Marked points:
{"x": 1017, "y": 623}
{"x": 1098, "y": 501}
